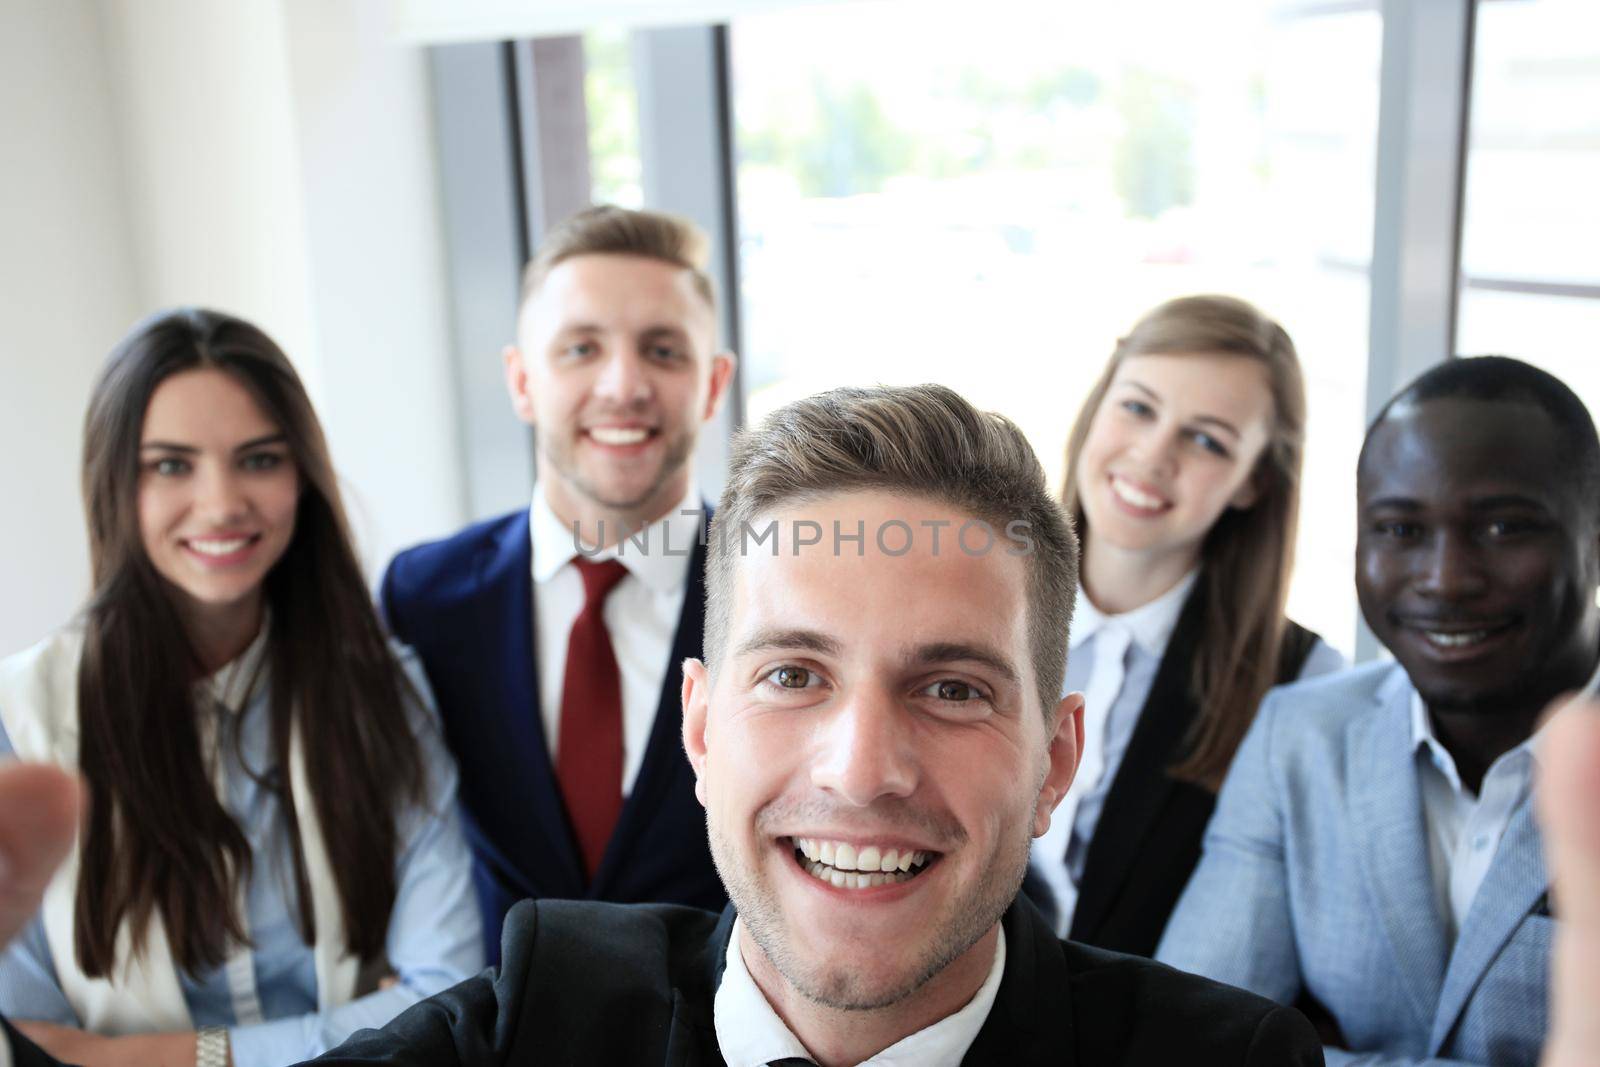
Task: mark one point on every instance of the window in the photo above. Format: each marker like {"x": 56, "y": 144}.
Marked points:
{"x": 612, "y": 100}
{"x": 1531, "y": 279}
{"x": 989, "y": 202}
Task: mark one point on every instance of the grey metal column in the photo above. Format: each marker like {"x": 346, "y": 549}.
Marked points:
{"x": 481, "y": 188}
{"x": 1416, "y": 243}
{"x": 687, "y": 154}
{"x": 553, "y": 125}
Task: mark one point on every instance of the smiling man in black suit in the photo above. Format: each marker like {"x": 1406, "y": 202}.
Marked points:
{"x": 876, "y": 735}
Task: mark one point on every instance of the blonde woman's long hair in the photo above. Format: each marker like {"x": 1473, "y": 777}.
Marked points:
{"x": 1247, "y": 555}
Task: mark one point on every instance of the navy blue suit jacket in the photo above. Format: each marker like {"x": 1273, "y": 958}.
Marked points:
{"x": 466, "y": 605}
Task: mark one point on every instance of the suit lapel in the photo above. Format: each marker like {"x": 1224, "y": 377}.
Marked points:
{"x": 1515, "y": 885}
{"x": 510, "y": 615}
{"x": 663, "y": 758}
{"x": 1030, "y": 1021}
{"x": 1142, "y": 786}
{"x": 692, "y": 1041}
{"x": 1386, "y": 816}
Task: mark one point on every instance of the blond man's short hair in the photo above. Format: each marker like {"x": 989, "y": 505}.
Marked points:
{"x": 610, "y": 230}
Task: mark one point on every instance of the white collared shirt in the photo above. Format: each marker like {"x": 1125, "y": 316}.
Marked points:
{"x": 1465, "y": 830}
{"x": 1060, "y": 855}
{"x": 641, "y": 613}
{"x": 1149, "y": 628}
{"x": 750, "y": 1033}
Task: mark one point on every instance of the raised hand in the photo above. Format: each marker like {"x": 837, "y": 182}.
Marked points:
{"x": 1569, "y": 811}
{"x": 38, "y": 815}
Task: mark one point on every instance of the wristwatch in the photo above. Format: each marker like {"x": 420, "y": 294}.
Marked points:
{"x": 211, "y": 1047}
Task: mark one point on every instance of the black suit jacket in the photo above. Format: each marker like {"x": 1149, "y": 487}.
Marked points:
{"x": 1147, "y": 842}
{"x": 466, "y": 605}
{"x": 587, "y": 983}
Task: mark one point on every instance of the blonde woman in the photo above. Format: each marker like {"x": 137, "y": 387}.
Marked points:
{"x": 1183, "y": 477}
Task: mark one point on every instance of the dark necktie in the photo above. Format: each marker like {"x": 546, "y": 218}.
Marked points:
{"x": 589, "y": 742}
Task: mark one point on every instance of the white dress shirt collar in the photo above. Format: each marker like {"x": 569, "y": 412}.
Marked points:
{"x": 1150, "y": 625}
{"x": 1464, "y": 829}
{"x": 661, "y": 563}
{"x": 1423, "y": 738}
{"x": 750, "y": 1033}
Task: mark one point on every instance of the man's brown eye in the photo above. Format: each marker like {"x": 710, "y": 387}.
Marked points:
{"x": 955, "y": 691}
{"x": 793, "y": 677}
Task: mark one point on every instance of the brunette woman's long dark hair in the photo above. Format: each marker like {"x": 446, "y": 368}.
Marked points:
{"x": 157, "y": 840}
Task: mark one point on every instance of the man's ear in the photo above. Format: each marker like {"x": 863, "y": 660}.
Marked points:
{"x": 723, "y": 364}
{"x": 696, "y": 705}
{"x": 517, "y": 384}
{"x": 1066, "y": 749}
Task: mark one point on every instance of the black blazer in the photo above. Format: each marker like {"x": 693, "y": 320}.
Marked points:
{"x": 1147, "y": 842}
{"x": 587, "y": 984}
{"x": 466, "y": 605}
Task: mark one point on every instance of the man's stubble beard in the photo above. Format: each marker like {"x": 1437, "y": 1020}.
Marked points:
{"x": 838, "y": 987}
{"x": 562, "y": 460}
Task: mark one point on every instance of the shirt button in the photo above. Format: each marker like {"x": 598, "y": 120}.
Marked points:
{"x": 1480, "y": 842}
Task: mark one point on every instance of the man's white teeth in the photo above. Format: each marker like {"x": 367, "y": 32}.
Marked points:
{"x": 855, "y": 880}
{"x": 1135, "y": 496}
{"x": 1459, "y": 640}
{"x": 618, "y": 435}
{"x": 843, "y": 856}
{"x": 219, "y": 548}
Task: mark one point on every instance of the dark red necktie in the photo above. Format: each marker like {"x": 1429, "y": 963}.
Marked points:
{"x": 589, "y": 742}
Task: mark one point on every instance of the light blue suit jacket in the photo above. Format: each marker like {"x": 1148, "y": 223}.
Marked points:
{"x": 1315, "y": 880}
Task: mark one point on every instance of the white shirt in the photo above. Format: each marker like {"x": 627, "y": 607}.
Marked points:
{"x": 641, "y": 613}
{"x": 750, "y": 1033}
{"x": 1061, "y": 855}
{"x": 1465, "y": 830}
{"x": 1108, "y": 726}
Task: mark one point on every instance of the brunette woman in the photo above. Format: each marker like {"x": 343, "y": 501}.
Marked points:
{"x": 1183, "y": 477}
{"x": 270, "y": 830}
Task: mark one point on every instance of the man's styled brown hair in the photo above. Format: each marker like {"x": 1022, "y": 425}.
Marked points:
{"x": 921, "y": 440}
{"x": 618, "y": 231}
{"x": 1248, "y": 555}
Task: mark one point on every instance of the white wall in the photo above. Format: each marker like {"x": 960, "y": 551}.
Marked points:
{"x": 377, "y": 271}
{"x": 271, "y": 158}
{"x": 66, "y": 293}
{"x": 202, "y": 106}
